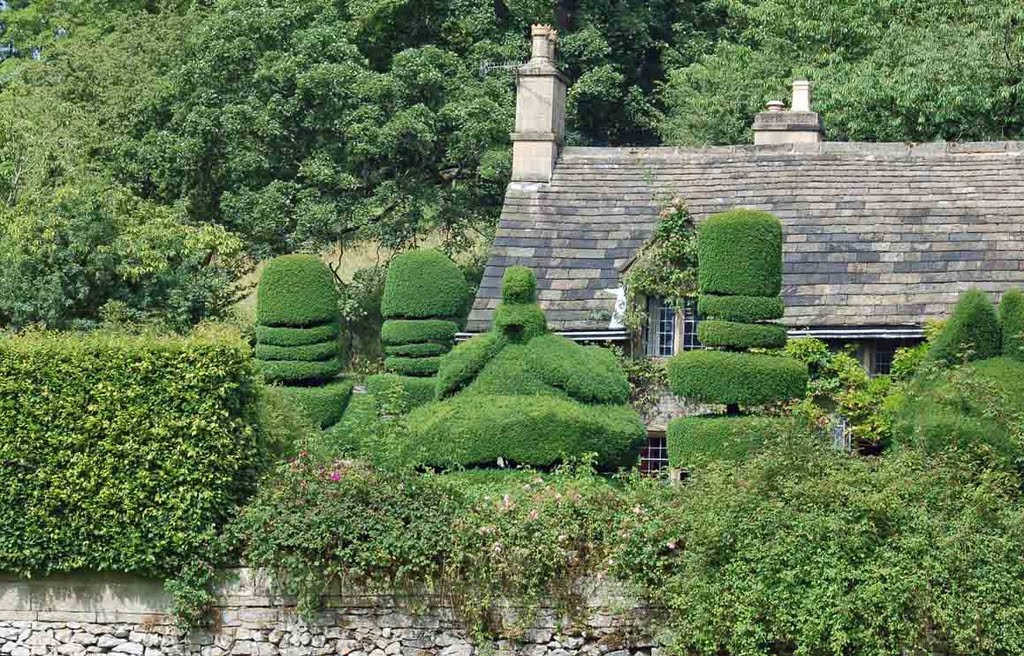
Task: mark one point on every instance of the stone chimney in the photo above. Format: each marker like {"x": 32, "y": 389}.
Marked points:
{"x": 540, "y": 111}
{"x": 799, "y": 124}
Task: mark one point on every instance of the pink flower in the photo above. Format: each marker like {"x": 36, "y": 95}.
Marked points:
{"x": 671, "y": 546}
{"x": 335, "y": 475}
{"x": 637, "y": 510}
{"x": 534, "y": 514}
{"x": 506, "y": 502}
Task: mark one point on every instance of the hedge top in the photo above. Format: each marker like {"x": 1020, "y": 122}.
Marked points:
{"x": 740, "y": 253}
{"x": 519, "y": 285}
{"x": 424, "y": 284}
{"x": 296, "y": 290}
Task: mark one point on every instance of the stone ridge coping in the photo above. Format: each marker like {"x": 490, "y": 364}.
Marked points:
{"x": 852, "y": 149}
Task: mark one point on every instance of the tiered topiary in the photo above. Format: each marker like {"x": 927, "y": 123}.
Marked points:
{"x": 424, "y": 296}
{"x": 523, "y": 396}
{"x": 971, "y": 333}
{"x": 740, "y": 279}
{"x": 297, "y": 332}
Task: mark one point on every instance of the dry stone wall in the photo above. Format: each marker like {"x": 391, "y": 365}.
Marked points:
{"x": 93, "y": 614}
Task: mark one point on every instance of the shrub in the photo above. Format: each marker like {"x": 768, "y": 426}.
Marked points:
{"x": 412, "y": 366}
{"x": 518, "y": 285}
{"x": 519, "y": 323}
{"x": 296, "y": 371}
{"x": 540, "y": 431}
{"x": 122, "y": 454}
{"x": 416, "y": 391}
{"x": 459, "y": 367}
{"x": 590, "y": 374}
{"x": 424, "y": 284}
{"x": 399, "y": 331}
{"x": 736, "y": 378}
{"x": 731, "y": 335}
{"x": 296, "y": 291}
{"x": 740, "y": 253}
{"x": 283, "y": 336}
{"x": 307, "y": 353}
{"x": 972, "y": 333}
{"x": 745, "y": 309}
{"x": 697, "y": 441}
{"x": 1011, "y": 319}
{"x": 323, "y": 405}
{"x": 423, "y": 349}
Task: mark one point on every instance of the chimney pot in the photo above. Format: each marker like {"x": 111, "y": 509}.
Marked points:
{"x": 797, "y": 125}
{"x": 774, "y": 106}
{"x": 801, "y": 96}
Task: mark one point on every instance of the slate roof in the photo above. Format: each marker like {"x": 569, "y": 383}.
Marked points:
{"x": 875, "y": 234}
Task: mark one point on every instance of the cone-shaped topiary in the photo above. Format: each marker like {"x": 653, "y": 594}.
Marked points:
{"x": 1011, "y": 319}
{"x": 740, "y": 276}
{"x": 525, "y": 396}
{"x": 972, "y": 333}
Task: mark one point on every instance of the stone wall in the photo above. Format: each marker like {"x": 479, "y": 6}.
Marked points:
{"x": 85, "y": 614}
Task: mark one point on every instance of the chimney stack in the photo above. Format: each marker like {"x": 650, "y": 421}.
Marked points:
{"x": 540, "y": 110}
{"x": 799, "y": 124}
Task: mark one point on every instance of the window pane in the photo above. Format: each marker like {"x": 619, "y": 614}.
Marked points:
{"x": 654, "y": 456}
{"x": 690, "y": 341}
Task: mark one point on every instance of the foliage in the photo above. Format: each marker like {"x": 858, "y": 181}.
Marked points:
{"x": 416, "y": 391}
{"x": 736, "y": 378}
{"x": 285, "y": 336}
{"x": 307, "y": 353}
{"x": 976, "y": 410}
{"x": 518, "y": 285}
{"x": 1011, "y": 320}
{"x": 322, "y": 405}
{"x": 971, "y": 333}
{"x": 123, "y": 453}
{"x": 410, "y": 331}
{"x": 464, "y": 362}
{"x": 296, "y": 291}
{"x": 590, "y": 374}
{"x": 413, "y": 366}
{"x": 740, "y": 253}
{"x": 422, "y": 349}
{"x": 694, "y": 442}
{"x": 291, "y": 372}
{"x": 647, "y": 378}
{"x": 537, "y": 430}
{"x": 519, "y": 322}
{"x": 666, "y": 265}
{"x": 744, "y": 309}
{"x": 740, "y": 336}
{"x": 424, "y": 284}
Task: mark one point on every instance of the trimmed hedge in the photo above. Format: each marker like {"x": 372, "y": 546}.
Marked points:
{"x": 972, "y": 332}
{"x": 417, "y": 350}
{"x": 745, "y": 309}
{"x": 293, "y": 371}
{"x": 404, "y": 331}
{"x": 519, "y": 285}
{"x": 424, "y": 284}
{"x": 323, "y": 405}
{"x": 731, "y": 335}
{"x": 307, "y": 353}
{"x": 538, "y": 431}
{"x": 736, "y": 378}
{"x": 1011, "y": 320}
{"x": 590, "y": 374}
{"x": 417, "y": 391}
{"x": 740, "y": 253}
{"x": 696, "y": 441}
{"x": 296, "y": 291}
{"x": 283, "y": 336}
{"x": 520, "y": 323}
{"x": 460, "y": 366}
{"x": 413, "y": 366}
{"x": 122, "y": 454}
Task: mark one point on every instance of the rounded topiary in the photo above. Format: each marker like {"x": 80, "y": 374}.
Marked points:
{"x": 409, "y": 366}
{"x": 298, "y": 371}
{"x": 740, "y": 253}
{"x": 971, "y": 333}
{"x": 424, "y": 284}
{"x": 284, "y": 336}
{"x": 296, "y": 291}
{"x": 413, "y": 331}
{"x": 323, "y": 405}
{"x": 1011, "y": 320}
{"x": 518, "y": 317}
{"x": 736, "y": 378}
{"x": 740, "y": 336}
{"x": 518, "y": 285}
{"x": 747, "y": 309}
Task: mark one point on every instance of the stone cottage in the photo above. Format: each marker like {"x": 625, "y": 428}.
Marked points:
{"x": 879, "y": 237}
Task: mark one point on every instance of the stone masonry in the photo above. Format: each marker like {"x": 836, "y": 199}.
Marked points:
{"x": 91, "y": 614}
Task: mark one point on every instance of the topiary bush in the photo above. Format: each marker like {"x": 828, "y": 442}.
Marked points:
{"x": 416, "y": 391}
{"x": 971, "y": 333}
{"x": 281, "y": 336}
{"x": 397, "y": 332}
{"x": 422, "y": 366}
{"x": 745, "y": 309}
{"x": 737, "y": 378}
{"x": 296, "y": 291}
{"x": 323, "y": 405}
{"x": 1011, "y": 320}
{"x": 732, "y": 335}
{"x": 465, "y": 361}
{"x": 697, "y": 441}
{"x": 740, "y": 254}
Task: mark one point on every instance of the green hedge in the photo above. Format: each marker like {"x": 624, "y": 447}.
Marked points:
{"x": 283, "y": 336}
{"x": 412, "y": 366}
{"x": 459, "y": 367}
{"x": 972, "y": 332}
{"x": 417, "y": 391}
{"x": 519, "y": 323}
{"x": 745, "y": 309}
{"x": 696, "y": 441}
{"x": 740, "y": 253}
{"x": 1011, "y": 320}
{"x": 404, "y": 331}
{"x": 305, "y": 353}
{"x": 323, "y": 405}
{"x": 296, "y": 291}
{"x": 424, "y": 284}
{"x": 122, "y": 454}
{"x": 526, "y": 430}
{"x": 590, "y": 374}
{"x": 296, "y": 371}
{"x": 416, "y": 350}
{"x": 728, "y": 334}
{"x": 519, "y": 285}
{"x": 740, "y": 378}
